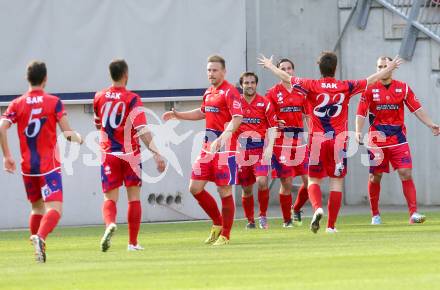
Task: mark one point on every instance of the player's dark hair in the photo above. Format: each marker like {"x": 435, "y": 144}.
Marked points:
{"x": 285, "y": 60}
{"x": 217, "y": 58}
{"x": 117, "y": 68}
{"x": 327, "y": 63}
{"x": 248, "y": 74}
{"x": 36, "y": 72}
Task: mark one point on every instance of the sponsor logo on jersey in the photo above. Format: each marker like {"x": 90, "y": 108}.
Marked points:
{"x": 212, "y": 109}
{"x": 251, "y": 120}
{"x": 260, "y": 104}
{"x": 290, "y": 109}
{"x": 387, "y": 107}
{"x": 398, "y": 90}
{"x": 376, "y": 97}
{"x": 375, "y": 90}
{"x": 34, "y": 100}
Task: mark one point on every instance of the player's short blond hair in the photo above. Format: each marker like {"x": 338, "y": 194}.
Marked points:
{"x": 217, "y": 58}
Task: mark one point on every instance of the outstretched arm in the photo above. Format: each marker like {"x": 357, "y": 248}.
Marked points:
{"x": 267, "y": 63}
{"x": 391, "y": 65}
{"x": 8, "y": 161}
{"x": 68, "y": 133}
{"x": 193, "y": 115}
{"x": 425, "y": 119}
{"x": 147, "y": 138}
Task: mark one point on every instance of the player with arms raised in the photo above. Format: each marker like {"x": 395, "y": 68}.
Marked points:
{"x": 328, "y": 99}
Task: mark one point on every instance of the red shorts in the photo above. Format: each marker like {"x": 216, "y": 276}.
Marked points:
{"x": 251, "y": 165}
{"x": 380, "y": 158}
{"x": 120, "y": 169}
{"x": 328, "y": 158}
{"x": 289, "y": 161}
{"x": 49, "y": 187}
{"x": 219, "y": 167}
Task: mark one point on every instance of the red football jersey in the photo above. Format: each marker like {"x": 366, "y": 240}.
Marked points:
{"x": 328, "y": 99}
{"x": 258, "y": 116}
{"x": 119, "y": 113}
{"x": 219, "y": 106}
{"x": 36, "y": 114}
{"x": 387, "y": 116}
{"x": 290, "y": 107}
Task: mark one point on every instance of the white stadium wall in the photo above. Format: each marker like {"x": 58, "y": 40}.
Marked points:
{"x": 166, "y": 44}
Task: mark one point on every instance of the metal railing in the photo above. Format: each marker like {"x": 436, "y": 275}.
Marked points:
{"x": 420, "y": 15}
{"x": 423, "y": 14}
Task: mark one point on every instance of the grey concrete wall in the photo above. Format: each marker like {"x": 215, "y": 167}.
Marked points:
{"x": 359, "y": 50}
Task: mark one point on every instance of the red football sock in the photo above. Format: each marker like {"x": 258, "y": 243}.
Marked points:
{"x": 209, "y": 205}
{"x": 228, "y": 211}
{"x": 263, "y": 200}
{"x": 315, "y": 196}
{"x": 34, "y": 223}
{"x": 248, "y": 207}
{"x": 334, "y": 204}
{"x": 409, "y": 190}
{"x": 286, "y": 205}
{"x": 134, "y": 214}
{"x": 48, "y": 223}
{"x": 301, "y": 198}
{"x": 374, "y": 193}
{"x": 109, "y": 211}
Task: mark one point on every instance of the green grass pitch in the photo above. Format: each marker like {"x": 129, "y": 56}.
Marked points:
{"x": 394, "y": 255}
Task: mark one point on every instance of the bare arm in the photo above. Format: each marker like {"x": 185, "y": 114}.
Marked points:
{"x": 193, "y": 115}
{"x": 8, "y": 161}
{"x": 227, "y": 133}
{"x": 147, "y": 138}
{"x": 425, "y": 119}
{"x": 360, "y": 120}
{"x": 271, "y": 135}
{"x": 68, "y": 133}
{"x": 267, "y": 63}
{"x": 391, "y": 65}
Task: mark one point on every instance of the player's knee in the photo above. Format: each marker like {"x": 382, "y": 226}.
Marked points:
{"x": 375, "y": 178}
{"x": 247, "y": 192}
{"x": 262, "y": 185}
{"x": 195, "y": 189}
{"x": 405, "y": 174}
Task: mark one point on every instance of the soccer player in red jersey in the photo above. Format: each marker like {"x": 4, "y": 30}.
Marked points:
{"x": 290, "y": 151}
{"x": 328, "y": 99}
{"x": 385, "y": 100}
{"x": 119, "y": 117}
{"x": 221, "y": 108}
{"x": 258, "y": 119}
{"x": 36, "y": 115}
